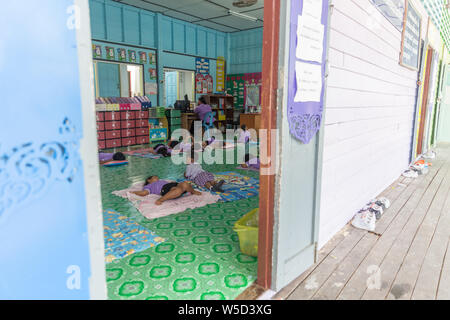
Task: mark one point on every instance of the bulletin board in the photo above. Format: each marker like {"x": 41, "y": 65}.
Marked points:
{"x": 411, "y": 37}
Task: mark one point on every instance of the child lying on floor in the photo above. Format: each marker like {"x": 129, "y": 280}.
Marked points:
{"x": 166, "y": 150}
{"x": 251, "y": 162}
{"x": 202, "y": 178}
{"x": 107, "y": 157}
{"x": 167, "y": 189}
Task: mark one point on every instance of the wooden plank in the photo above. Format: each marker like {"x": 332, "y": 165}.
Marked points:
{"x": 310, "y": 283}
{"x": 403, "y": 285}
{"x": 356, "y": 286}
{"x": 444, "y": 281}
{"x": 426, "y": 213}
{"x": 334, "y": 284}
{"x": 432, "y": 268}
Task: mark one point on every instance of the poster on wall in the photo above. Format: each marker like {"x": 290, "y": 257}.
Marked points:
{"x": 209, "y": 84}
{"x": 96, "y": 51}
{"x": 151, "y": 88}
{"x": 202, "y": 66}
{"x": 121, "y": 54}
{"x": 153, "y": 74}
{"x": 199, "y": 81}
{"x": 307, "y": 66}
{"x": 411, "y": 36}
{"x": 143, "y": 57}
{"x": 236, "y": 88}
{"x": 110, "y": 54}
{"x": 152, "y": 58}
{"x": 252, "y": 90}
{"x": 220, "y": 74}
{"x": 392, "y": 10}
{"x": 132, "y": 56}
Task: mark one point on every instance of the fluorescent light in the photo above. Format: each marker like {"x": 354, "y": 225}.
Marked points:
{"x": 243, "y": 16}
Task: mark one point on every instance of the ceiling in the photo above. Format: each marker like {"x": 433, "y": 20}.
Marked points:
{"x": 208, "y": 13}
{"x": 439, "y": 13}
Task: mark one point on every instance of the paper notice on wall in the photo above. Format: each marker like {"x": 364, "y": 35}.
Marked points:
{"x": 151, "y": 88}
{"x": 309, "y": 82}
{"x": 310, "y": 35}
{"x": 312, "y": 9}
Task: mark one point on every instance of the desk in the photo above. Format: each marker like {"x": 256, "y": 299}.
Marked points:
{"x": 186, "y": 120}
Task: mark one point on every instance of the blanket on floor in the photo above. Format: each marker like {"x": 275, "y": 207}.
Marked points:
{"x": 236, "y": 187}
{"x": 147, "y": 207}
{"x": 123, "y": 236}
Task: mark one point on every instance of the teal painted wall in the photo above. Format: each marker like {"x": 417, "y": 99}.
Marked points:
{"x": 245, "y": 51}
{"x": 176, "y": 42}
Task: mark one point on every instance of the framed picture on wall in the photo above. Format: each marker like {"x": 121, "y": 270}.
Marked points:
{"x": 121, "y": 54}
{"x": 96, "y": 51}
{"x": 110, "y": 54}
{"x": 152, "y": 72}
{"x": 132, "y": 55}
{"x": 143, "y": 57}
{"x": 152, "y": 58}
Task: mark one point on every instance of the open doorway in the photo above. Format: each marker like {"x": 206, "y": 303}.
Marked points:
{"x": 177, "y": 85}
{"x": 191, "y": 253}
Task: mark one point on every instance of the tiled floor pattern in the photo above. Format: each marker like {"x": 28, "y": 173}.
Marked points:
{"x": 201, "y": 257}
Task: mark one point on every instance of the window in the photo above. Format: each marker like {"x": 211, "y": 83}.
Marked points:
{"x": 177, "y": 84}
{"x": 118, "y": 79}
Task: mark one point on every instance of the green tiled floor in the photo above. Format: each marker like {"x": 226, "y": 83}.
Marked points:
{"x": 201, "y": 257}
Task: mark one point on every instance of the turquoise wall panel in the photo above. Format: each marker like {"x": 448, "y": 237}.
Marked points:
{"x": 245, "y": 51}
{"x": 132, "y": 30}
{"x": 98, "y": 22}
{"x": 148, "y": 27}
{"x": 191, "y": 40}
{"x": 167, "y": 34}
{"x": 201, "y": 43}
{"x": 43, "y": 222}
{"x": 179, "y": 39}
{"x": 114, "y": 26}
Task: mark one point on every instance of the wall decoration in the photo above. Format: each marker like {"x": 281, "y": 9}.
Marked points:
{"x": 121, "y": 54}
{"x": 143, "y": 57}
{"x": 411, "y": 36}
{"x": 202, "y": 65}
{"x": 307, "y": 66}
{"x": 96, "y": 51}
{"x": 28, "y": 170}
{"x": 236, "y": 88}
{"x": 153, "y": 73}
{"x": 151, "y": 88}
{"x": 110, "y": 53}
{"x": 209, "y": 83}
{"x": 220, "y": 74}
{"x": 152, "y": 58}
{"x": 199, "y": 82}
{"x": 132, "y": 56}
{"x": 252, "y": 89}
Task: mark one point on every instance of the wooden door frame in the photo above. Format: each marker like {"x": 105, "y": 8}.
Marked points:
{"x": 424, "y": 105}
{"x": 268, "y": 122}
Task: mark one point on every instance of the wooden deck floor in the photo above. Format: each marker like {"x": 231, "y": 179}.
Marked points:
{"x": 407, "y": 260}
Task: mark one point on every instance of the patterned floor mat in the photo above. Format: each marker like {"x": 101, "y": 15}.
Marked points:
{"x": 124, "y": 237}
{"x": 201, "y": 257}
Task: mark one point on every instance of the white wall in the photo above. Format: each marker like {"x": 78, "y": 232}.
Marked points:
{"x": 369, "y": 113}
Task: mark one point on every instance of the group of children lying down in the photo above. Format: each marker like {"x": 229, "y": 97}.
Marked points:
{"x": 171, "y": 190}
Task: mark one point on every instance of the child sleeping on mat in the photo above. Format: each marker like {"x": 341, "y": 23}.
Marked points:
{"x": 107, "y": 157}
{"x": 166, "y": 150}
{"x": 202, "y": 178}
{"x": 168, "y": 190}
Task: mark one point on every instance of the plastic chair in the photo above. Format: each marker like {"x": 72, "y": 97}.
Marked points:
{"x": 208, "y": 123}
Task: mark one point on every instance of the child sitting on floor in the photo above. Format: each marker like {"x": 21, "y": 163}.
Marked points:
{"x": 167, "y": 189}
{"x": 200, "y": 177}
{"x": 107, "y": 157}
{"x": 251, "y": 162}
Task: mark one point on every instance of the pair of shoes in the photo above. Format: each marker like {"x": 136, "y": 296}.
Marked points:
{"x": 365, "y": 220}
{"x": 410, "y": 174}
{"x": 218, "y": 186}
{"x": 374, "y": 208}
